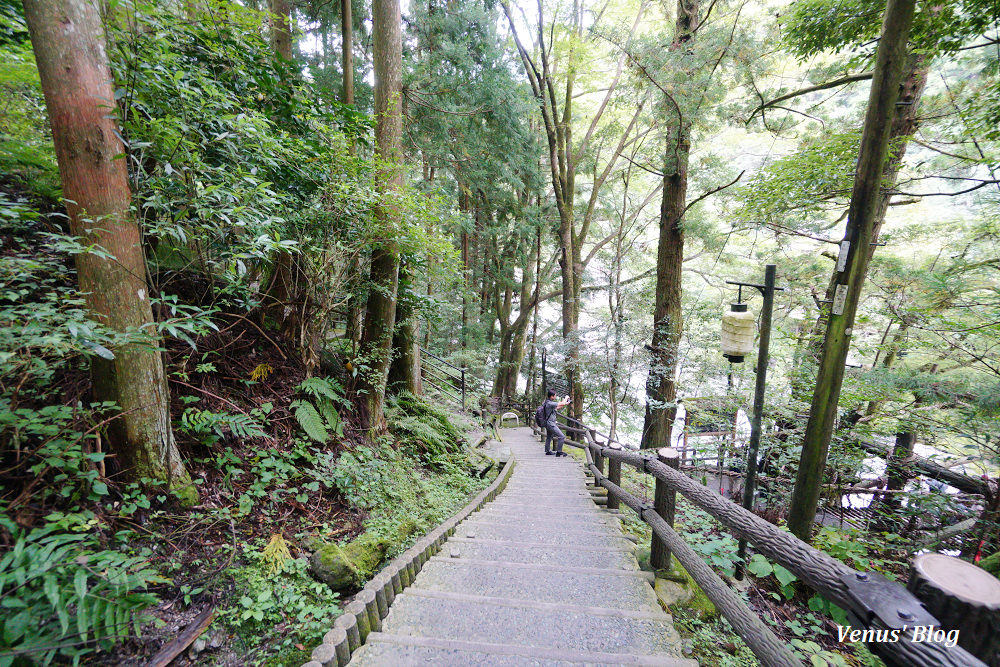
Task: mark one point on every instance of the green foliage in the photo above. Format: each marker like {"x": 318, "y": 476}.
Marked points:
{"x": 422, "y": 427}
{"x": 27, "y": 156}
{"x": 61, "y": 591}
{"x": 46, "y": 331}
{"x": 714, "y": 642}
{"x": 817, "y": 178}
{"x": 760, "y": 567}
{"x": 399, "y": 496}
{"x": 206, "y": 423}
{"x": 319, "y": 416}
{"x": 283, "y": 607}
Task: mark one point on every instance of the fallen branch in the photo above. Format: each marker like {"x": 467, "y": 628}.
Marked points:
{"x": 177, "y": 646}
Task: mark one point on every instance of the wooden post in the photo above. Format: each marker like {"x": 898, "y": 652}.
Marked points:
{"x": 664, "y": 502}
{"x": 598, "y": 459}
{"x": 964, "y": 597}
{"x": 615, "y": 476}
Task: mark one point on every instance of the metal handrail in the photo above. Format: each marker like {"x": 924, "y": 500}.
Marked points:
{"x": 434, "y": 356}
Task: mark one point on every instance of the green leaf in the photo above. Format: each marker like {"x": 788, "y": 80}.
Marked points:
{"x": 783, "y": 576}
{"x": 759, "y": 567}
{"x": 15, "y": 626}
{"x": 310, "y": 421}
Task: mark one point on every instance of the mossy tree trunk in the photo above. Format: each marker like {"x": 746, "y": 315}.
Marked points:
{"x": 865, "y": 203}
{"x": 404, "y": 370}
{"x": 514, "y": 333}
{"x": 70, "y": 51}
{"x": 380, "y": 316}
{"x": 904, "y": 125}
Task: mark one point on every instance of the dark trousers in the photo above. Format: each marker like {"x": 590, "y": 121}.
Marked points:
{"x": 552, "y": 433}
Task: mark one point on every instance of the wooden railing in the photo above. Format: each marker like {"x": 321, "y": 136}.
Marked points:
{"x": 872, "y": 601}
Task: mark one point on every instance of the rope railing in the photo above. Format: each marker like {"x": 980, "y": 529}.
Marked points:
{"x": 873, "y": 602}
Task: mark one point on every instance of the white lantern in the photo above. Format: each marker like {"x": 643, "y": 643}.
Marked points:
{"x": 738, "y": 330}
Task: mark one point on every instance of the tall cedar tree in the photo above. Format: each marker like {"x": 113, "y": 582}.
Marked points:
{"x": 668, "y": 319}
{"x": 72, "y": 63}
{"x": 865, "y": 200}
{"x": 380, "y": 316}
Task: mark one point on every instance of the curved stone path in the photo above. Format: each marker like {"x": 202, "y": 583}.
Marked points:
{"x": 539, "y": 576}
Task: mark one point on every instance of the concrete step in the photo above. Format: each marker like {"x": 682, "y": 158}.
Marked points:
{"x": 383, "y": 650}
{"x": 615, "y": 589}
{"x": 551, "y": 626}
{"x": 580, "y": 502}
{"x": 543, "y": 515}
{"x": 550, "y": 533}
{"x": 499, "y": 506}
{"x": 521, "y": 552}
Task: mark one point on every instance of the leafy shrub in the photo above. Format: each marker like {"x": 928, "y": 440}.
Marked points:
{"x": 61, "y": 594}
{"x": 276, "y": 591}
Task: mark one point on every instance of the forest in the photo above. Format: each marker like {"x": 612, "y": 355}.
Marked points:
{"x": 270, "y": 271}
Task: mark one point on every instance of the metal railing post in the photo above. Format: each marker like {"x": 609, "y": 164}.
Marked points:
{"x": 664, "y": 502}
{"x": 463, "y": 389}
{"x": 749, "y": 486}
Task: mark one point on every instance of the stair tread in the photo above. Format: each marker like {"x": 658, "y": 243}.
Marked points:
{"x": 386, "y": 649}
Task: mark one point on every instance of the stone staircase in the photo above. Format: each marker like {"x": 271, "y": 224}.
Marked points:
{"x": 540, "y": 576}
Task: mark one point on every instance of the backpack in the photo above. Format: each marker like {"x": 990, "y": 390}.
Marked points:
{"x": 540, "y": 415}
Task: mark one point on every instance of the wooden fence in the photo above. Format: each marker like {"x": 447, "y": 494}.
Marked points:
{"x": 872, "y": 601}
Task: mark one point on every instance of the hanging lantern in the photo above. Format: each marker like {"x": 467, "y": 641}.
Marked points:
{"x": 738, "y": 330}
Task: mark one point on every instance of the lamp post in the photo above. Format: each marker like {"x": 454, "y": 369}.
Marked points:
{"x": 749, "y": 488}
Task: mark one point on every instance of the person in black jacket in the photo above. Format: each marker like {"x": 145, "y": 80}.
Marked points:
{"x": 552, "y": 430}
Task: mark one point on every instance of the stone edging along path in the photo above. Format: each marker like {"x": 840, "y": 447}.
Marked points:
{"x": 364, "y": 614}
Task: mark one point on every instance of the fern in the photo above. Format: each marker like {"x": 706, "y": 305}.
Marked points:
{"x": 322, "y": 388}
{"x": 206, "y": 422}
{"x": 310, "y": 420}
{"x": 319, "y": 416}
{"x": 275, "y": 554}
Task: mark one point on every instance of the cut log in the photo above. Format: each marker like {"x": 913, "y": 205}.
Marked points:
{"x": 177, "y": 646}
{"x": 962, "y": 597}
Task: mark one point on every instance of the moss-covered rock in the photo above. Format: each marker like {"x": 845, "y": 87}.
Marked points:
{"x": 676, "y": 589}
{"x": 349, "y": 566}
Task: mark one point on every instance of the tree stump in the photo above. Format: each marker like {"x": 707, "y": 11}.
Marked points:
{"x": 962, "y": 597}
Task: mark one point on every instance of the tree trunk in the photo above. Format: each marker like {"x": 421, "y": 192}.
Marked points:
{"x": 865, "y": 202}
{"x": 347, "y": 51}
{"x": 904, "y": 126}
{"x": 70, "y": 51}
{"x": 285, "y": 291}
{"x": 404, "y": 371}
{"x": 898, "y": 474}
{"x": 281, "y": 28}
{"x": 380, "y": 317}
{"x": 532, "y": 371}
{"x": 668, "y": 324}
